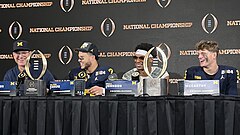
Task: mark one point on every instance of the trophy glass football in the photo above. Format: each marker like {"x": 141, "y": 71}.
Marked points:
{"x": 155, "y": 85}
{"x": 35, "y": 70}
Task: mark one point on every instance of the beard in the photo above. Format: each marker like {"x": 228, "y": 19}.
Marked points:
{"x": 86, "y": 65}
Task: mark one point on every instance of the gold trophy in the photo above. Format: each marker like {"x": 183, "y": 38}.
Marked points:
{"x": 35, "y": 86}
{"x": 155, "y": 86}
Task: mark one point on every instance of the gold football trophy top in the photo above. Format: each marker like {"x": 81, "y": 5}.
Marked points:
{"x": 44, "y": 67}
{"x": 163, "y": 61}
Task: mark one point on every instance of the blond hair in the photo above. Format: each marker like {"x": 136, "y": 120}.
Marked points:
{"x": 211, "y": 46}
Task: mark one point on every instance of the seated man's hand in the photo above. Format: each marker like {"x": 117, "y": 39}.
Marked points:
{"x": 96, "y": 90}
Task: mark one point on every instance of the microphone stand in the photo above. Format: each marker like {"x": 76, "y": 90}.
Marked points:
{"x": 20, "y": 81}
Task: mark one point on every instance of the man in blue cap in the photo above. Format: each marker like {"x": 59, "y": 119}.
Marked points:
{"x": 21, "y": 51}
{"x": 90, "y": 70}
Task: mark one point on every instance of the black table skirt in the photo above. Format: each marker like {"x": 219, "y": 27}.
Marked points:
{"x": 197, "y": 115}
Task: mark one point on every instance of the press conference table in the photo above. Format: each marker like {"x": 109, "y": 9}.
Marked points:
{"x": 165, "y": 115}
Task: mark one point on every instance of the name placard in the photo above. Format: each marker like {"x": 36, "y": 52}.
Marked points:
{"x": 201, "y": 87}
{"x": 121, "y": 87}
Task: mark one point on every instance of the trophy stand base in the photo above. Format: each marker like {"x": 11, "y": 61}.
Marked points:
{"x": 35, "y": 88}
{"x": 155, "y": 87}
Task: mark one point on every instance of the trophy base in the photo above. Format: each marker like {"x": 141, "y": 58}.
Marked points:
{"x": 35, "y": 88}
{"x": 155, "y": 87}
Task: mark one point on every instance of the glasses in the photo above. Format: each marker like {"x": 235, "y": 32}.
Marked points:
{"x": 141, "y": 57}
{"x": 24, "y": 53}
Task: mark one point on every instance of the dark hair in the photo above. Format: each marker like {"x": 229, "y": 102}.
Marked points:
{"x": 146, "y": 47}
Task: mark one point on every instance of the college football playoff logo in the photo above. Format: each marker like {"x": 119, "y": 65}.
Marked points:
{"x": 65, "y": 55}
{"x": 31, "y": 84}
{"x": 108, "y": 27}
{"x": 15, "y": 30}
{"x": 209, "y": 23}
{"x": 82, "y": 75}
{"x": 163, "y": 3}
{"x": 66, "y": 5}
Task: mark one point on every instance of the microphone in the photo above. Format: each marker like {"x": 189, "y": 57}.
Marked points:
{"x": 135, "y": 76}
{"x": 79, "y": 82}
{"x": 112, "y": 77}
{"x": 20, "y": 79}
{"x": 81, "y": 75}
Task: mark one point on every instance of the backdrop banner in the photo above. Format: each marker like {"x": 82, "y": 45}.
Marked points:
{"x": 56, "y": 27}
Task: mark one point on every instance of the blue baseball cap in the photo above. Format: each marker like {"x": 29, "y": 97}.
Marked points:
{"x": 20, "y": 45}
{"x": 88, "y": 47}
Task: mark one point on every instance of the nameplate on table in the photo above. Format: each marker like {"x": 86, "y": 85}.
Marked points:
{"x": 6, "y": 86}
{"x": 62, "y": 87}
{"x": 120, "y": 87}
{"x": 201, "y": 87}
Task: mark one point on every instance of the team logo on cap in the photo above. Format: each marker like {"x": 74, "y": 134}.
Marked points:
{"x": 108, "y": 27}
{"x": 15, "y": 30}
{"x": 84, "y": 45}
{"x": 66, "y": 5}
{"x": 65, "y": 55}
{"x": 209, "y": 23}
{"x": 19, "y": 43}
{"x": 163, "y": 3}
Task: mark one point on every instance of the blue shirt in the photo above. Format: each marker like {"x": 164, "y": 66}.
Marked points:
{"x": 226, "y": 75}
{"x": 12, "y": 75}
{"x": 97, "y": 78}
